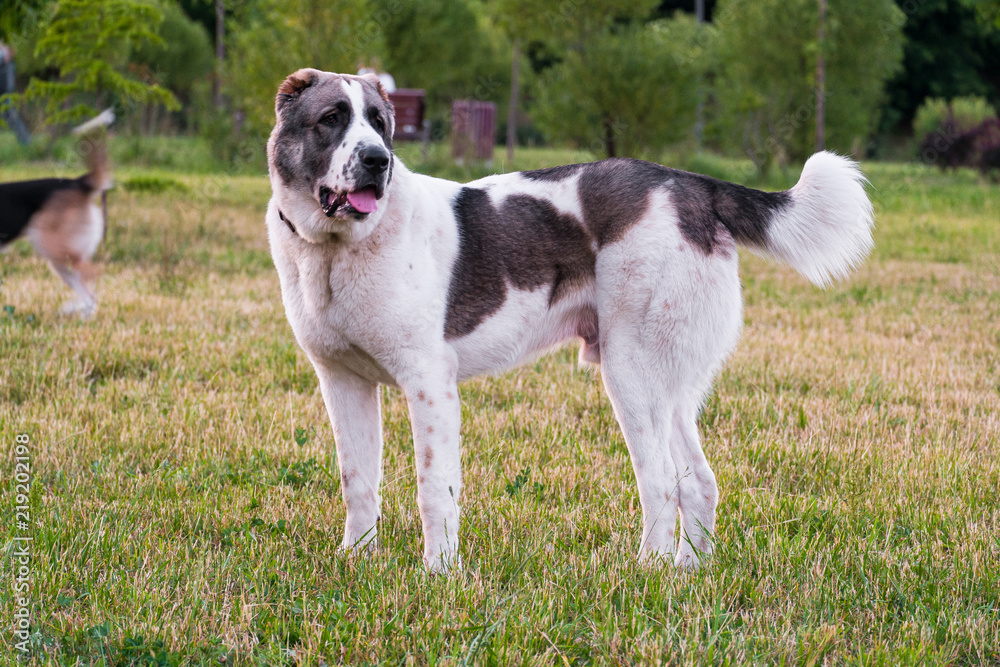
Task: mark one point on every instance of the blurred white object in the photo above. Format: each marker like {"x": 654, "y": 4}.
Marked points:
{"x": 104, "y": 119}
{"x": 384, "y": 78}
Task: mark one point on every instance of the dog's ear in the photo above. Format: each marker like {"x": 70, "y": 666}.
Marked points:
{"x": 293, "y": 86}
{"x": 373, "y": 79}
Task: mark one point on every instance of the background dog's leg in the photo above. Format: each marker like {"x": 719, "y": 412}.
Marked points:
{"x": 355, "y": 413}
{"x": 699, "y": 493}
{"x": 645, "y": 417}
{"x": 76, "y": 276}
{"x": 435, "y": 416}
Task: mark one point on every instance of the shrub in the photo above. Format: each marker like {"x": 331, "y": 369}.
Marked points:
{"x": 988, "y": 146}
{"x": 948, "y": 146}
{"x": 955, "y": 134}
{"x": 967, "y": 112}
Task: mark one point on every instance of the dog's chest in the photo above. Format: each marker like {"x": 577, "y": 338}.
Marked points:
{"x": 368, "y": 311}
{"x": 324, "y": 295}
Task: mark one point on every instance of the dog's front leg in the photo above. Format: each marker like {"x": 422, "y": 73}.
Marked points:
{"x": 435, "y": 416}
{"x": 353, "y": 404}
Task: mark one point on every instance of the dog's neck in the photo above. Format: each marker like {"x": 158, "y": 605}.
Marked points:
{"x": 288, "y": 223}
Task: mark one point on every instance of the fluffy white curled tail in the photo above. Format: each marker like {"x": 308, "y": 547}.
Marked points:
{"x": 94, "y": 150}
{"x": 827, "y": 229}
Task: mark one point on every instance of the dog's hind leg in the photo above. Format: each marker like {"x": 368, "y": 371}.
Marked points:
{"x": 646, "y": 418}
{"x": 668, "y": 315}
{"x": 699, "y": 493}
{"x": 355, "y": 413}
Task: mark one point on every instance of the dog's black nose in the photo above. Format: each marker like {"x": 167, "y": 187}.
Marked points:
{"x": 374, "y": 158}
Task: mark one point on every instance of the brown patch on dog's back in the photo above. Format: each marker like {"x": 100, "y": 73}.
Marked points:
{"x": 553, "y": 173}
{"x": 614, "y": 194}
{"x": 524, "y": 242}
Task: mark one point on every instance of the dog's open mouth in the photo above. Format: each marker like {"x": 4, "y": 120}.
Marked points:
{"x": 358, "y": 202}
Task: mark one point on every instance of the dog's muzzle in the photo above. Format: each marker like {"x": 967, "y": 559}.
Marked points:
{"x": 374, "y": 160}
{"x": 370, "y": 182}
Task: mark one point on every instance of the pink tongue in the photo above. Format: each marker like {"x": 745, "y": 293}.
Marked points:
{"x": 363, "y": 200}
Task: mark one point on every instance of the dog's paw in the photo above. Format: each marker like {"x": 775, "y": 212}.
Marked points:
{"x": 655, "y": 558}
{"x": 443, "y": 563}
{"x": 365, "y": 546}
{"x": 83, "y": 309}
{"x": 690, "y": 560}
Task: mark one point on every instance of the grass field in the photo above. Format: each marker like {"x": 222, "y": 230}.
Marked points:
{"x": 185, "y": 501}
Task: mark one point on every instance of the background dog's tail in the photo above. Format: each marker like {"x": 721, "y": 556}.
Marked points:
{"x": 94, "y": 148}
{"x": 98, "y": 122}
{"x": 823, "y": 228}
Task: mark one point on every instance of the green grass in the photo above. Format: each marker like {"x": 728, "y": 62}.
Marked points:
{"x": 186, "y": 501}
{"x": 186, "y": 154}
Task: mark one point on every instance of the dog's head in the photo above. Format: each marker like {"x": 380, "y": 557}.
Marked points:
{"x": 332, "y": 142}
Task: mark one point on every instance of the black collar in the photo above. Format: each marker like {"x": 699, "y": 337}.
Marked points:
{"x": 287, "y": 222}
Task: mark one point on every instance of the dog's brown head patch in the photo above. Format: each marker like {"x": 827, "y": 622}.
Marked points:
{"x": 292, "y": 87}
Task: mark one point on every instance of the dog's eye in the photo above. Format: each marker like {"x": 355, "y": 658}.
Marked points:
{"x": 377, "y": 122}
{"x": 330, "y": 118}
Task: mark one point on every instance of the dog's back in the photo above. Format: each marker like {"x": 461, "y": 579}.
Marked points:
{"x": 20, "y": 201}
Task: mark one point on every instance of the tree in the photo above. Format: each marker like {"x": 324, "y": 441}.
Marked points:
{"x": 948, "y": 53}
{"x": 518, "y": 20}
{"x": 16, "y": 15}
{"x": 987, "y": 11}
{"x": 574, "y": 25}
{"x": 180, "y": 57}
{"x": 180, "y": 60}
{"x": 768, "y": 101}
{"x": 447, "y": 47}
{"x": 270, "y": 39}
{"x": 89, "y": 43}
{"x": 626, "y": 89}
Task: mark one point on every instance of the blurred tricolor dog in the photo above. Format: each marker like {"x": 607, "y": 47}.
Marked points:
{"x": 391, "y": 277}
{"x": 61, "y": 218}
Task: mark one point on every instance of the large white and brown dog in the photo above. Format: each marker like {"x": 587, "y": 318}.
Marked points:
{"x": 392, "y": 277}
